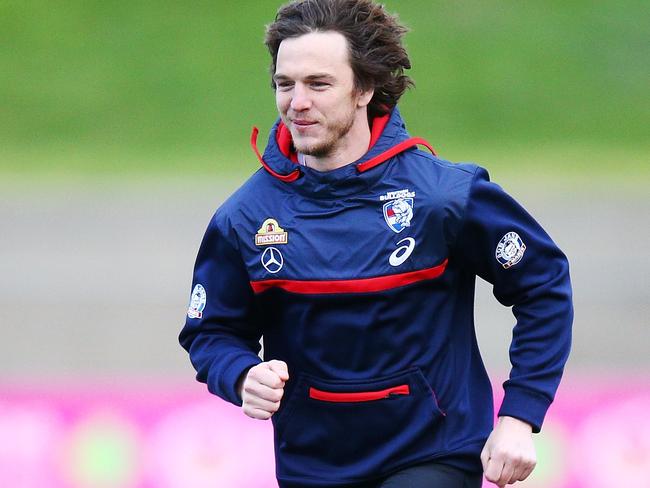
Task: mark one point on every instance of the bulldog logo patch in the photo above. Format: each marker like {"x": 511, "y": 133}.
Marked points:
{"x": 398, "y": 214}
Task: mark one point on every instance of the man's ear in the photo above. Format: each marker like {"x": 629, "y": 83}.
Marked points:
{"x": 364, "y": 97}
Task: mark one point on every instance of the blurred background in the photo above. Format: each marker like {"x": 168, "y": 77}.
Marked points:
{"x": 124, "y": 125}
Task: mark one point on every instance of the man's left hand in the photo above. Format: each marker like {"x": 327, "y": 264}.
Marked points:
{"x": 509, "y": 454}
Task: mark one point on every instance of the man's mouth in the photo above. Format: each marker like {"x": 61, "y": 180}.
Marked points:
{"x": 302, "y": 125}
{"x": 303, "y": 122}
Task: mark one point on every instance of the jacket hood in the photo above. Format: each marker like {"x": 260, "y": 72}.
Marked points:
{"x": 388, "y": 139}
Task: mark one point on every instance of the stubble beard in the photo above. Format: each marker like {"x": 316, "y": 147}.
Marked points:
{"x": 335, "y": 133}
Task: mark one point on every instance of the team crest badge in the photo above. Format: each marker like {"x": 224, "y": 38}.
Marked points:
{"x": 197, "y": 302}
{"x": 398, "y": 213}
{"x": 271, "y": 233}
{"x": 510, "y": 250}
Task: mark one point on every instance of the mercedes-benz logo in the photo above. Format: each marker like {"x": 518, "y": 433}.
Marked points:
{"x": 272, "y": 260}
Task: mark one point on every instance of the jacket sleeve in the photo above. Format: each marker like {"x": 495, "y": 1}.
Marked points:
{"x": 500, "y": 242}
{"x": 218, "y": 333}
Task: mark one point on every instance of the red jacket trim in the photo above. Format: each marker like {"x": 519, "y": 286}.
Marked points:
{"x": 393, "y": 151}
{"x": 362, "y": 285}
{"x": 378, "y": 126}
{"x": 358, "y": 396}
{"x": 283, "y": 139}
{"x": 293, "y": 176}
{"x": 285, "y": 142}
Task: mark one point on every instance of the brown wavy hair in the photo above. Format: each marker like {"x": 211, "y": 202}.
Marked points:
{"x": 377, "y": 56}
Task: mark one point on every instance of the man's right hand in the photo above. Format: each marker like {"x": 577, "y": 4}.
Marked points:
{"x": 262, "y": 389}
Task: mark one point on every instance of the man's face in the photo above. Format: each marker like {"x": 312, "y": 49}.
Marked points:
{"x": 315, "y": 92}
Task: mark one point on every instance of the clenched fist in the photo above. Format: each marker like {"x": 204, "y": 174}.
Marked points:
{"x": 262, "y": 388}
{"x": 509, "y": 453}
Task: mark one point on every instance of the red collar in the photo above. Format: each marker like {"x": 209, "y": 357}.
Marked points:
{"x": 285, "y": 142}
{"x": 285, "y": 145}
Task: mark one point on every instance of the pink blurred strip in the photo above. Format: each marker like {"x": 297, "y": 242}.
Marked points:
{"x": 145, "y": 434}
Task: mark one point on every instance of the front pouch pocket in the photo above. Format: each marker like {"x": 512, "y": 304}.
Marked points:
{"x": 351, "y": 430}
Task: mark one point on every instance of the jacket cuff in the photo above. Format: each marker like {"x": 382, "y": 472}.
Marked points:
{"x": 228, "y": 380}
{"x": 525, "y": 405}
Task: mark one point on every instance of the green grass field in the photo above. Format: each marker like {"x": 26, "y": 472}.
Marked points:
{"x": 136, "y": 89}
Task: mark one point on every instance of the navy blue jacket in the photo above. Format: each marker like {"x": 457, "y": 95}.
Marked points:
{"x": 362, "y": 280}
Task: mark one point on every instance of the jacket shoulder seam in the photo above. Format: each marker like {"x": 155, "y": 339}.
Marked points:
{"x": 463, "y": 220}
{"x": 443, "y": 163}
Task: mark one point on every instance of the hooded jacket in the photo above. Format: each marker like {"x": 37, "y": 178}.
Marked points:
{"x": 362, "y": 280}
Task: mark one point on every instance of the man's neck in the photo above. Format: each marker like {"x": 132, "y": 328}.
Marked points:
{"x": 351, "y": 147}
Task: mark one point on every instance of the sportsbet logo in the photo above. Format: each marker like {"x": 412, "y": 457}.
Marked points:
{"x": 271, "y": 233}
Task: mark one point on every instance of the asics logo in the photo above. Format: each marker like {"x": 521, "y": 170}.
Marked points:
{"x": 403, "y": 252}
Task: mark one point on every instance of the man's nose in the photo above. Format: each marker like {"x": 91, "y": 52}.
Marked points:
{"x": 300, "y": 100}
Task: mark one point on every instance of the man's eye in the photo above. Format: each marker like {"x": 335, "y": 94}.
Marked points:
{"x": 284, "y": 86}
{"x": 319, "y": 84}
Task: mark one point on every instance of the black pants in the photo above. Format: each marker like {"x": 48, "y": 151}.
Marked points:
{"x": 431, "y": 475}
{"x": 427, "y": 475}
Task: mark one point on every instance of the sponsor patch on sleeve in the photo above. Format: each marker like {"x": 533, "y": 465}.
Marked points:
{"x": 510, "y": 250}
{"x": 197, "y": 302}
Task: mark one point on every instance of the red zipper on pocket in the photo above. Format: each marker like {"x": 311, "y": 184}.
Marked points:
{"x": 360, "y": 396}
